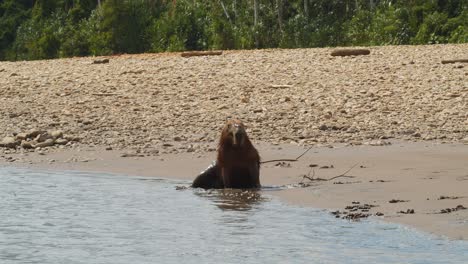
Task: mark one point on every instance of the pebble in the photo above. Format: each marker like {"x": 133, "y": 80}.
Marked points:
{"x": 9, "y": 142}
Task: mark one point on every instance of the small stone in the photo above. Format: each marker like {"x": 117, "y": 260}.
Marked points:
{"x": 26, "y": 145}
{"x": 108, "y": 148}
{"x": 47, "y": 143}
{"x": 323, "y": 127}
{"x": 21, "y": 136}
{"x": 9, "y": 142}
{"x": 378, "y": 143}
{"x": 34, "y": 133}
{"x": 61, "y": 141}
{"x": 42, "y": 137}
{"x": 131, "y": 155}
{"x": 73, "y": 138}
{"x": 56, "y": 134}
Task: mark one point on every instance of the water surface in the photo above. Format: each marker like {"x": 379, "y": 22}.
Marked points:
{"x": 70, "y": 217}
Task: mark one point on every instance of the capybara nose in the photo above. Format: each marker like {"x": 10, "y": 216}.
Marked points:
{"x": 238, "y": 136}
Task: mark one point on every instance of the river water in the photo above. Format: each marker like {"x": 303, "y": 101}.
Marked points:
{"x": 71, "y": 217}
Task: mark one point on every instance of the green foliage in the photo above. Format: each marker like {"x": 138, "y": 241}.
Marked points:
{"x": 44, "y": 29}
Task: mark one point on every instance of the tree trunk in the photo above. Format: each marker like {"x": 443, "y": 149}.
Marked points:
{"x": 225, "y": 11}
{"x": 306, "y": 8}
{"x": 234, "y": 6}
{"x": 256, "y": 12}
{"x": 279, "y": 4}
{"x": 256, "y": 23}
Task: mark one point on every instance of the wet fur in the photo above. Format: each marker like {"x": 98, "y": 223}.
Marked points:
{"x": 237, "y": 164}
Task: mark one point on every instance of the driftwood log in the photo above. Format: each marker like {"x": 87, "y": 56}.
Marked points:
{"x": 350, "y": 52}
{"x": 103, "y": 61}
{"x": 200, "y": 53}
{"x": 455, "y": 61}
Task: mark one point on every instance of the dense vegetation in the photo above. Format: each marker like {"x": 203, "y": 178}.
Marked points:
{"x": 38, "y": 29}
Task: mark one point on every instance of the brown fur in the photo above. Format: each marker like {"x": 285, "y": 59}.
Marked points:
{"x": 237, "y": 164}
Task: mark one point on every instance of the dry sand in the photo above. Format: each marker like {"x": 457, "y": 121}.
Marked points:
{"x": 399, "y": 114}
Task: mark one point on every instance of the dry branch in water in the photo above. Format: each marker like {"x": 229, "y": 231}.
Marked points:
{"x": 455, "y": 61}
{"x": 200, "y": 53}
{"x": 350, "y": 52}
{"x": 289, "y": 160}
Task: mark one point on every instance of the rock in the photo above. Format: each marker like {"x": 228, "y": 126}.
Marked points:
{"x": 47, "y": 143}
{"x": 72, "y": 138}
{"x": 21, "y": 136}
{"x": 34, "y": 133}
{"x": 9, "y": 142}
{"x": 26, "y": 145}
{"x": 61, "y": 141}
{"x": 56, "y": 134}
{"x": 42, "y": 137}
{"x": 378, "y": 143}
{"x": 409, "y": 211}
{"x": 323, "y": 127}
{"x": 129, "y": 155}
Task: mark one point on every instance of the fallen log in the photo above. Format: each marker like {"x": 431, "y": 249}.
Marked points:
{"x": 350, "y": 52}
{"x": 455, "y": 61}
{"x": 103, "y": 61}
{"x": 200, "y": 53}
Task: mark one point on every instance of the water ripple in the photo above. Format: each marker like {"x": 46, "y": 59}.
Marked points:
{"x": 70, "y": 217}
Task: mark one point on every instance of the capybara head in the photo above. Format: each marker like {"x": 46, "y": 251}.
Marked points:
{"x": 234, "y": 133}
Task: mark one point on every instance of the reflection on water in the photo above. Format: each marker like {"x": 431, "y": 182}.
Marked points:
{"x": 232, "y": 199}
{"x": 94, "y": 218}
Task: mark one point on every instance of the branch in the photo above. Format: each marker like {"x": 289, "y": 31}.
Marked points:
{"x": 289, "y": 160}
{"x": 343, "y": 175}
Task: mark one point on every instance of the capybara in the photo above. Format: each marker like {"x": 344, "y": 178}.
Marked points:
{"x": 237, "y": 164}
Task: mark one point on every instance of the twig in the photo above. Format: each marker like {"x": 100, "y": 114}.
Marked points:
{"x": 281, "y": 86}
{"x": 343, "y": 175}
{"x": 104, "y": 94}
{"x": 290, "y": 160}
{"x": 308, "y": 176}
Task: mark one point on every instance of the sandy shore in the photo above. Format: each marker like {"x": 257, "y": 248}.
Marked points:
{"x": 399, "y": 114}
{"x": 420, "y": 175}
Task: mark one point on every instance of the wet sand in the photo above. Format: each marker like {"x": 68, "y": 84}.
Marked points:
{"x": 418, "y": 174}
{"x": 398, "y": 114}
